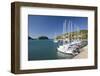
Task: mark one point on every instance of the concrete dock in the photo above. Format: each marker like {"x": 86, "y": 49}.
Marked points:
{"x": 83, "y": 53}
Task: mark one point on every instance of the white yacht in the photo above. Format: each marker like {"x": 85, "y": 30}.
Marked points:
{"x": 69, "y": 47}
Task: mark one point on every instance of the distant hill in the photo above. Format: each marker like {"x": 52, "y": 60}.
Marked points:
{"x": 30, "y": 38}
{"x": 43, "y": 38}
{"x": 39, "y": 38}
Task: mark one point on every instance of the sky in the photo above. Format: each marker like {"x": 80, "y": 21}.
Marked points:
{"x": 39, "y": 25}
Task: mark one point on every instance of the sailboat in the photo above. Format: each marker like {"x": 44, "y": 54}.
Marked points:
{"x": 66, "y": 47}
{"x": 62, "y": 48}
{"x": 77, "y": 40}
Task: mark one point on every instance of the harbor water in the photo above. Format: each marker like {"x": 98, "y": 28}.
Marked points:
{"x": 44, "y": 50}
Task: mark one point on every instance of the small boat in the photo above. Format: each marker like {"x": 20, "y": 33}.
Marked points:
{"x": 55, "y": 41}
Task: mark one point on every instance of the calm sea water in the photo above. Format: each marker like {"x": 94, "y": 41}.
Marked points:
{"x": 44, "y": 50}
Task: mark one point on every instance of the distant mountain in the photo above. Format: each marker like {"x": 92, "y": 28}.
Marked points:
{"x": 43, "y": 38}
{"x": 30, "y": 38}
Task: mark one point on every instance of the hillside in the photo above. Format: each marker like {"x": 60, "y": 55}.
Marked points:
{"x": 82, "y": 34}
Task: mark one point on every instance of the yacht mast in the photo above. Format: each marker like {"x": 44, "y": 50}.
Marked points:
{"x": 77, "y": 33}
{"x": 71, "y": 30}
{"x": 68, "y": 31}
{"x": 64, "y": 31}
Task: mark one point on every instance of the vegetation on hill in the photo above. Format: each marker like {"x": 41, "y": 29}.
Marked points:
{"x": 82, "y": 34}
{"x": 30, "y": 38}
{"x": 42, "y": 37}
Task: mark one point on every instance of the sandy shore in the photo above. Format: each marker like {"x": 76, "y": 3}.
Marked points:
{"x": 83, "y": 53}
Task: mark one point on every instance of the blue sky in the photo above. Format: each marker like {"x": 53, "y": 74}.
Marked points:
{"x": 39, "y": 25}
